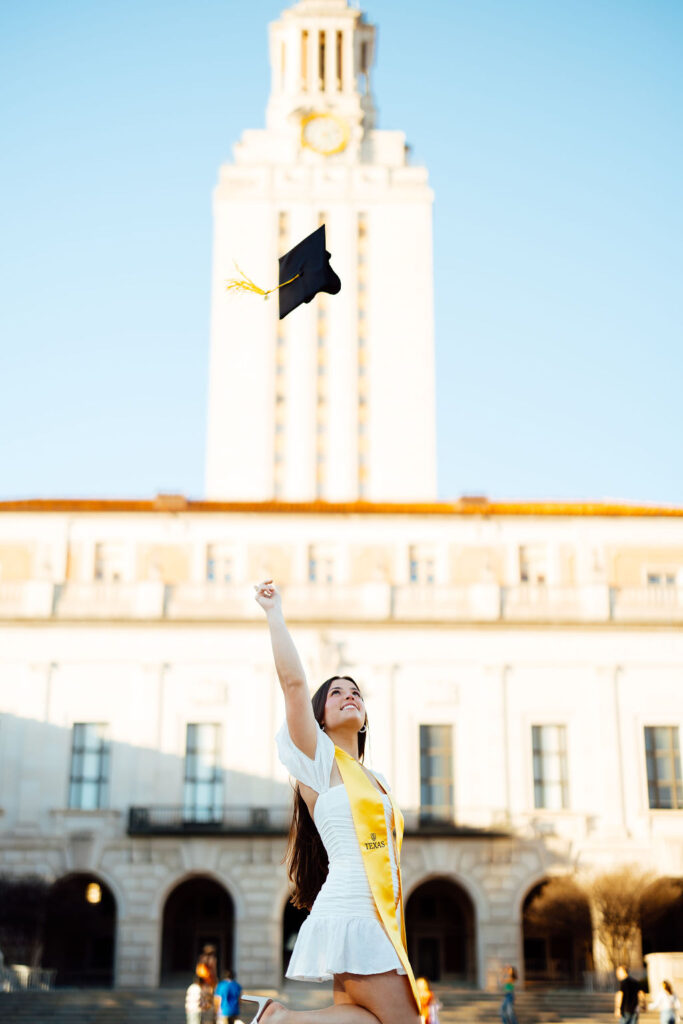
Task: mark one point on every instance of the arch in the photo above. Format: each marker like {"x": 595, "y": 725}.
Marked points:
{"x": 80, "y": 931}
{"x": 197, "y": 911}
{"x": 662, "y": 916}
{"x": 476, "y": 894}
{"x": 523, "y": 891}
{"x": 557, "y": 934}
{"x": 441, "y": 931}
{"x": 234, "y": 892}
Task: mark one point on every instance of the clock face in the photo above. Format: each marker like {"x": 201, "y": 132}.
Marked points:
{"x": 324, "y": 133}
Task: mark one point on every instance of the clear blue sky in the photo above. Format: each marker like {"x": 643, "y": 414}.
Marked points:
{"x": 554, "y": 137}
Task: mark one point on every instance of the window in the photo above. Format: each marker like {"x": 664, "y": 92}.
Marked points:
{"x": 436, "y": 773}
{"x": 203, "y": 795}
{"x": 89, "y": 766}
{"x": 659, "y": 578}
{"x": 109, "y": 562}
{"x": 321, "y": 60}
{"x": 320, "y": 566}
{"x": 663, "y": 757}
{"x": 340, "y": 53}
{"x": 532, "y": 564}
{"x": 549, "y": 743}
{"x": 220, "y": 564}
{"x": 422, "y": 566}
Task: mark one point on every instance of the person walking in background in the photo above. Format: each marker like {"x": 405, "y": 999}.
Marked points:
{"x": 629, "y": 997}
{"x": 668, "y": 1004}
{"x": 227, "y": 999}
{"x": 208, "y": 963}
{"x": 194, "y": 998}
{"x": 429, "y": 1004}
{"x": 207, "y": 970}
{"x": 507, "y": 1007}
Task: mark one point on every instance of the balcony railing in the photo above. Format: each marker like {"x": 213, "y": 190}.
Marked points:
{"x": 235, "y": 821}
{"x": 646, "y": 604}
{"x": 269, "y": 821}
{"x": 100, "y": 600}
{"x": 210, "y": 601}
{"x": 31, "y": 599}
{"x": 338, "y": 602}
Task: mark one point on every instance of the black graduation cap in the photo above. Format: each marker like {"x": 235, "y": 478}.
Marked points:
{"x": 304, "y": 271}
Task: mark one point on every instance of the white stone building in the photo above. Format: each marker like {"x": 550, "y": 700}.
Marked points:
{"x": 522, "y": 664}
{"x": 517, "y": 662}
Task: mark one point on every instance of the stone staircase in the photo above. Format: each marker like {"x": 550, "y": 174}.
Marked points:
{"x": 166, "y": 1006}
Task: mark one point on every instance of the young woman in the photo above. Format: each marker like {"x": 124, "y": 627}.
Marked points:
{"x": 507, "y": 1009}
{"x": 343, "y": 852}
{"x": 667, "y": 1003}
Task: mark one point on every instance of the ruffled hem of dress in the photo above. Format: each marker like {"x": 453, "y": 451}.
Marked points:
{"x": 341, "y": 945}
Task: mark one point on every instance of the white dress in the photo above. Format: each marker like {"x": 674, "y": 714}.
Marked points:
{"x": 343, "y": 932}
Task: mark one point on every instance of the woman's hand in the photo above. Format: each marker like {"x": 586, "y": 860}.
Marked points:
{"x": 267, "y": 595}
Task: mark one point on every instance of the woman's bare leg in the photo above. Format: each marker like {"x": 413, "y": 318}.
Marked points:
{"x": 358, "y": 999}
{"x": 345, "y": 1013}
{"x": 388, "y": 996}
{"x": 340, "y": 1013}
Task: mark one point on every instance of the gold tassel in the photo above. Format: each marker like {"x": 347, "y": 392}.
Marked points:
{"x": 245, "y": 284}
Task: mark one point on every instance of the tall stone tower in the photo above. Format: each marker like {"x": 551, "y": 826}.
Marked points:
{"x": 336, "y": 402}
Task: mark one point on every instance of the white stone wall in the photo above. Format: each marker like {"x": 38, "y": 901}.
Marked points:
{"x": 148, "y": 675}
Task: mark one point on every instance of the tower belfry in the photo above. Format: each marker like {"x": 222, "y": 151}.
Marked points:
{"x": 321, "y": 53}
{"x": 336, "y": 402}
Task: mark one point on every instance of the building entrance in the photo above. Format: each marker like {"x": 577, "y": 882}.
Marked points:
{"x": 440, "y": 929}
{"x": 80, "y": 930}
{"x": 198, "y": 912}
{"x": 558, "y": 935}
{"x": 662, "y": 917}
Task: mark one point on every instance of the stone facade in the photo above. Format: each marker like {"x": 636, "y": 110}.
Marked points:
{"x": 489, "y": 659}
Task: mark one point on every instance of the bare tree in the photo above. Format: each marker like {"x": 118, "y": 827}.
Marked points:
{"x": 623, "y": 901}
{"x": 560, "y": 905}
{"x": 23, "y": 903}
{"x": 617, "y": 899}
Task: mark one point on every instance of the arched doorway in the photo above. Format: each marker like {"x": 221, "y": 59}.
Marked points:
{"x": 292, "y": 919}
{"x": 440, "y": 929}
{"x": 662, "y": 917}
{"x": 199, "y": 911}
{"x": 557, "y": 933}
{"x": 80, "y": 931}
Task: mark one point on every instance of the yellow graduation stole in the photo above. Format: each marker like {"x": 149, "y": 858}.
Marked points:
{"x": 367, "y": 810}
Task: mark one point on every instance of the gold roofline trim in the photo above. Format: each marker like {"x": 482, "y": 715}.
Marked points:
{"x": 463, "y": 507}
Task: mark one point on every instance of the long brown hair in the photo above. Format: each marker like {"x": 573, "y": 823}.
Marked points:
{"x": 306, "y": 857}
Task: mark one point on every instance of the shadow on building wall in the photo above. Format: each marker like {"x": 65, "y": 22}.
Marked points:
{"x": 148, "y": 853}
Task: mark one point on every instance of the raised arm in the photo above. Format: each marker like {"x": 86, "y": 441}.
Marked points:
{"x": 300, "y": 719}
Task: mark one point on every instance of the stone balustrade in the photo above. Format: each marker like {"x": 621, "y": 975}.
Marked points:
{"x": 340, "y": 602}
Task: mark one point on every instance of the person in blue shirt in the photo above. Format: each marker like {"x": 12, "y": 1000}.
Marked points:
{"x": 227, "y": 999}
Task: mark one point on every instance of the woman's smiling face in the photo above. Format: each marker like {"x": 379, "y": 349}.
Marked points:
{"x": 344, "y": 706}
